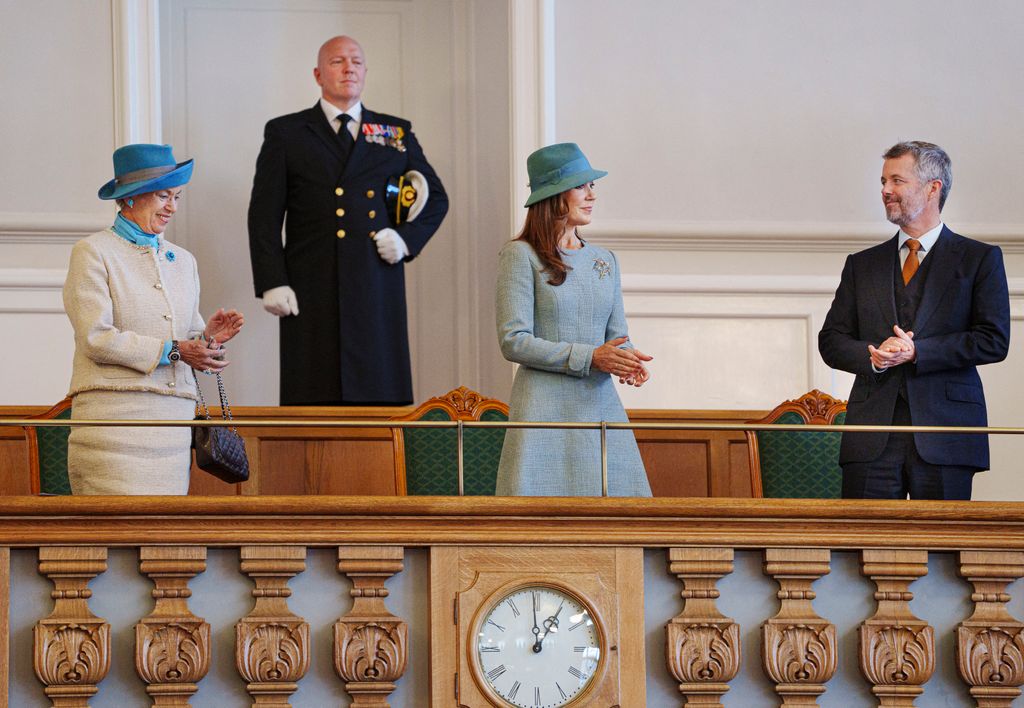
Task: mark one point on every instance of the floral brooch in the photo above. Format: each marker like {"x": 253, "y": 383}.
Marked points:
{"x": 170, "y": 256}
{"x": 601, "y": 267}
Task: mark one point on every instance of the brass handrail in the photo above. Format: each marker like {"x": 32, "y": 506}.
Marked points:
{"x": 461, "y": 425}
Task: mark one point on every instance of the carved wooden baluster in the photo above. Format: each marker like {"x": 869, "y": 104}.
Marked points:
{"x": 271, "y": 643}
{"x": 72, "y": 645}
{"x": 990, "y": 643}
{"x": 172, "y": 646}
{"x": 370, "y": 643}
{"x": 702, "y": 645}
{"x": 897, "y": 650}
{"x": 798, "y": 647}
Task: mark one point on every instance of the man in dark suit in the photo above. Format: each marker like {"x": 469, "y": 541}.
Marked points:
{"x": 913, "y": 318}
{"x": 327, "y": 168}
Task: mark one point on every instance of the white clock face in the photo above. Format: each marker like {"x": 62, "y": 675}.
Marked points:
{"x": 538, "y": 647}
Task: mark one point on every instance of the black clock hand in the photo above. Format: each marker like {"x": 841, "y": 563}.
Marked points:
{"x": 536, "y": 630}
{"x": 549, "y": 624}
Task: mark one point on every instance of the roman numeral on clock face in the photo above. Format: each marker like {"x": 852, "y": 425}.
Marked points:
{"x": 561, "y": 693}
{"x": 536, "y": 696}
{"x": 496, "y": 672}
{"x": 578, "y": 624}
{"x": 495, "y": 624}
{"x": 515, "y": 610}
{"x": 576, "y": 673}
{"x": 514, "y": 691}
{"x": 491, "y": 649}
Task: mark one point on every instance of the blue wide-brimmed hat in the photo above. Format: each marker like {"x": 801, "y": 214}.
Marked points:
{"x": 556, "y": 168}
{"x": 142, "y": 168}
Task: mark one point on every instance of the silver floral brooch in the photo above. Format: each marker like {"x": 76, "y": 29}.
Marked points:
{"x": 602, "y": 267}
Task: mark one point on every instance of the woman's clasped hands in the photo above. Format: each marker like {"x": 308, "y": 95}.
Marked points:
{"x": 207, "y": 353}
{"x": 627, "y": 364}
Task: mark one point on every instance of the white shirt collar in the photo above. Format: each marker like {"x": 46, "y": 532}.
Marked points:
{"x": 332, "y": 112}
{"x": 927, "y": 239}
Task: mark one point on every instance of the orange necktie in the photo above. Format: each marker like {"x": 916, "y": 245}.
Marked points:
{"x": 911, "y": 264}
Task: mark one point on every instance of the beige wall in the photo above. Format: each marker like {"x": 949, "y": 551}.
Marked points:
{"x": 742, "y": 138}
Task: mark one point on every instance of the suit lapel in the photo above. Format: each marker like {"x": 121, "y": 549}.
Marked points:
{"x": 948, "y": 252}
{"x": 320, "y": 127}
{"x": 360, "y": 148}
{"x": 880, "y": 276}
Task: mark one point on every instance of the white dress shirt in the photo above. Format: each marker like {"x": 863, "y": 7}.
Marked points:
{"x": 927, "y": 243}
{"x": 333, "y": 114}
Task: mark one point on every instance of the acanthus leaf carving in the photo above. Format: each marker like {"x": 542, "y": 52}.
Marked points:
{"x": 704, "y": 652}
{"x": 73, "y": 653}
{"x": 272, "y": 652}
{"x": 176, "y": 652}
{"x": 800, "y": 653}
{"x": 991, "y": 656}
{"x": 898, "y": 654}
{"x": 372, "y": 651}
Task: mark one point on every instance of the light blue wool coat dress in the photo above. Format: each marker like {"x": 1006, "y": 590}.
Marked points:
{"x": 552, "y": 332}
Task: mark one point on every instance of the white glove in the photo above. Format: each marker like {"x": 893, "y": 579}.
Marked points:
{"x": 281, "y": 301}
{"x": 390, "y": 246}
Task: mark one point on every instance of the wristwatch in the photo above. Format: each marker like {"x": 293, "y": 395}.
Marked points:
{"x": 175, "y": 354}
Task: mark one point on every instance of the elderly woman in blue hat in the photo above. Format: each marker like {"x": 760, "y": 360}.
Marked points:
{"x": 133, "y": 301}
{"x": 560, "y": 317}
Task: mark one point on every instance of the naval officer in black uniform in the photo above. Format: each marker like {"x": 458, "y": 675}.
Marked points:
{"x": 338, "y": 282}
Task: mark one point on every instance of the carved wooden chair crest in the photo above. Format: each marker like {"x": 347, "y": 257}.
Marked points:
{"x": 788, "y": 464}
{"x": 426, "y": 459}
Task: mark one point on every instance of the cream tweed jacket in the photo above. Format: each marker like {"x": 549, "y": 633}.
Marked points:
{"x": 124, "y": 302}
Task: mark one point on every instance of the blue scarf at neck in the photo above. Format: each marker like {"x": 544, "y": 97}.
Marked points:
{"x": 132, "y": 232}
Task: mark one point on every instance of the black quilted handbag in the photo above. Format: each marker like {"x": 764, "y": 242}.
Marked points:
{"x": 219, "y": 451}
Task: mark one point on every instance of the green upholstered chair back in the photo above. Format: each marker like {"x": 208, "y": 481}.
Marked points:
{"x": 798, "y": 465}
{"x": 427, "y": 458}
{"x": 48, "y": 453}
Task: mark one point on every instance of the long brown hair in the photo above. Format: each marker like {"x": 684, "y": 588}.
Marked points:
{"x": 545, "y": 223}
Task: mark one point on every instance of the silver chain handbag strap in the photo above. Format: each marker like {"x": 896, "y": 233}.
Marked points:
{"x": 225, "y": 408}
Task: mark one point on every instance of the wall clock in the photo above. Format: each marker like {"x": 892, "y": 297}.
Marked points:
{"x": 537, "y": 627}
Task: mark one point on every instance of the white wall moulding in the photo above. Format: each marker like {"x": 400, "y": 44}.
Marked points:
{"x": 641, "y": 235}
{"x": 136, "y": 49}
{"x": 532, "y": 81}
{"x": 31, "y": 291}
{"x": 20, "y": 228}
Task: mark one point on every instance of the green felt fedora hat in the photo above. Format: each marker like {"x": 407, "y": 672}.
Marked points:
{"x": 557, "y": 168}
{"x": 142, "y": 168}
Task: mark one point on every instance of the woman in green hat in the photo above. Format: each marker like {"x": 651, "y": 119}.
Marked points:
{"x": 560, "y": 317}
{"x": 133, "y": 301}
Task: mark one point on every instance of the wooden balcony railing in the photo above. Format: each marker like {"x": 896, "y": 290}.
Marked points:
{"x": 695, "y": 572}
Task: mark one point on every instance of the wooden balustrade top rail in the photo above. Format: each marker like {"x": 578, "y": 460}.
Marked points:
{"x": 215, "y": 422}
{"x": 432, "y": 521}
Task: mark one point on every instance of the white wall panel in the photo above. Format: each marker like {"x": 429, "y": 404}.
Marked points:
{"x": 761, "y": 111}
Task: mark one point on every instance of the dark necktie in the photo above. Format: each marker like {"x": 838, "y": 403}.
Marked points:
{"x": 910, "y": 265}
{"x": 345, "y": 137}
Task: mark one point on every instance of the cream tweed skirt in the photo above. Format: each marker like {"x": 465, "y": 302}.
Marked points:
{"x": 130, "y": 460}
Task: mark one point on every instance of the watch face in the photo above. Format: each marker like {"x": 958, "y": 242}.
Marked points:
{"x": 538, "y": 647}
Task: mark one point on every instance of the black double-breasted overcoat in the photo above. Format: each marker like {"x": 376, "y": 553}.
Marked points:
{"x": 349, "y": 343}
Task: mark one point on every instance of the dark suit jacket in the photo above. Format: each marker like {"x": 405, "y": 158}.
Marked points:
{"x": 963, "y": 321}
{"x": 350, "y": 340}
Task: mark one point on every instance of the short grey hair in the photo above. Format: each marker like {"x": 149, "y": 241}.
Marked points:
{"x": 932, "y": 163}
